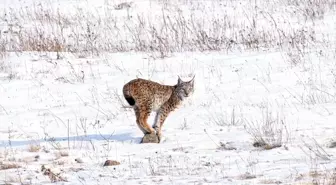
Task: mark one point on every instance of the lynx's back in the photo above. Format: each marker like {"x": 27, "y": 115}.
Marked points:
{"x": 146, "y": 92}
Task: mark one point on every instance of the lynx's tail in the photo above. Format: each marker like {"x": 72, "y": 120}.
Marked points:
{"x": 128, "y": 95}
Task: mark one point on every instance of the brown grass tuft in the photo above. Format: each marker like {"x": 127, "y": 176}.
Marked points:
{"x": 34, "y": 148}
{"x": 6, "y": 166}
{"x": 60, "y": 154}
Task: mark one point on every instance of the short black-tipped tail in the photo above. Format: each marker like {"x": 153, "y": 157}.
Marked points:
{"x": 130, "y": 100}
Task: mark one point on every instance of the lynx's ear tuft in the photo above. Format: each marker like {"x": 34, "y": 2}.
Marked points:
{"x": 179, "y": 81}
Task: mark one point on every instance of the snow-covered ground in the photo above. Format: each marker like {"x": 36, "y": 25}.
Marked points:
{"x": 264, "y": 71}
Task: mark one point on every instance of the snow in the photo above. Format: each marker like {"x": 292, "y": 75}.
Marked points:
{"x": 72, "y": 107}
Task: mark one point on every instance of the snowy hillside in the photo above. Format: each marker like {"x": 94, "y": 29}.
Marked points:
{"x": 263, "y": 111}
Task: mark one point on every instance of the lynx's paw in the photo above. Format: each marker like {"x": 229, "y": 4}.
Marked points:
{"x": 158, "y": 134}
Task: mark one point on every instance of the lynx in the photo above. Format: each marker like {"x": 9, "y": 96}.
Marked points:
{"x": 146, "y": 96}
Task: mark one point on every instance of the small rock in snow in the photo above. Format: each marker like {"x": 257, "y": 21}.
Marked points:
{"x": 111, "y": 163}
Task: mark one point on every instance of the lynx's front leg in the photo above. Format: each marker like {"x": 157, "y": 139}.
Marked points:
{"x": 161, "y": 116}
{"x": 156, "y": 125}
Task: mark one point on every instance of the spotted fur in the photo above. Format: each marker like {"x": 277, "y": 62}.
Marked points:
{"x": 146, "y": 96}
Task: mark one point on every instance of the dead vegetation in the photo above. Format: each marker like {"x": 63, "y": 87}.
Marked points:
{"x": 326, "y": 178}
{"x": 177, "y": 33}
{"x": 6, "y": 166}
{"x": 53, "y": 176}
{"x": 34, "y": 148}
{"x": 175, "y": 29}
{"x": 321, "y": 177}
{"x": 62, "y": 154}
{"x": 269, "y": 132}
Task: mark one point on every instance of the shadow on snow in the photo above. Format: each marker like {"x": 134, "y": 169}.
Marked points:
{"x": 93, "y": 137}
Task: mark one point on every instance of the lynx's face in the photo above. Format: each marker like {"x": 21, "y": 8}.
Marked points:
{"x": 185, "y": 89}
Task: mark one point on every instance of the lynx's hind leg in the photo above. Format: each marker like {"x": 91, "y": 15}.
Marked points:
{"x": 142, "y": 114}
{"x": 137, "y": 115}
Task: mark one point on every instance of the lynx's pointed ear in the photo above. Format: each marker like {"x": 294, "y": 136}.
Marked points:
{"x": 192, "y": 80}
{"x": 179, "y": 81}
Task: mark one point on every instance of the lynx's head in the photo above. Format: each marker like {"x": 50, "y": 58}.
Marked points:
{"x": 185, "y": 89}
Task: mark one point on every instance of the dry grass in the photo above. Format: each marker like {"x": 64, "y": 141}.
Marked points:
{"x": 60, "y": 154}
{"x": 327, "y": 177}
{"x": 34, "y": 148}
{"x": 6, "y": 166}
{"x": 270, "y": 181}
{"x": 53, "y": 176}
{"x": 268, "y": 133}
{"x": 40, "y": 42}
{"x": 176, "y": 29}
